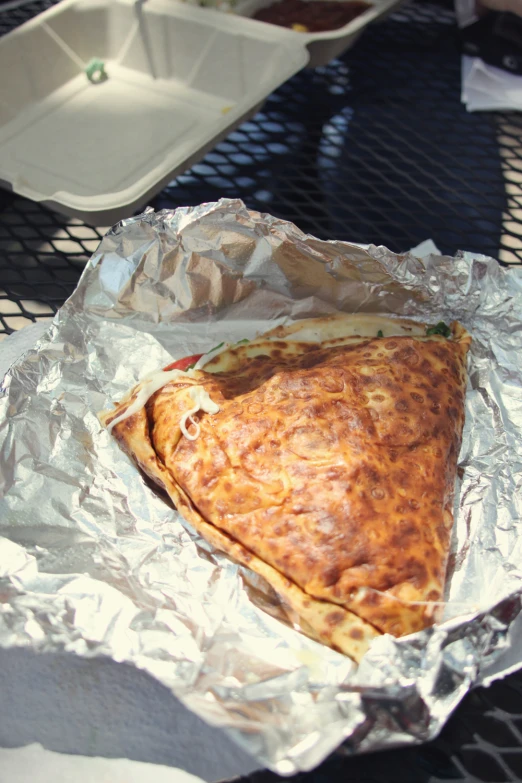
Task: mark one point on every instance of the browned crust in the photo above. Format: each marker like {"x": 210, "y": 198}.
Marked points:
{"x": 348, "y": 634}
{"x": 343, "y": 617}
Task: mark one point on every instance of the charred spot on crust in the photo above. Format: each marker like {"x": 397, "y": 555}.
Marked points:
{"x": 334, "y": 618}
{"x": 312, "y": 360}
{"x": 129, "y": 423}
{"x": 418, "y": 574}
{"x": 370, "y": 598}
{"x": 407, "y": 532}
{"x": 408, "y": 355}
{"x": 331, "y": 576}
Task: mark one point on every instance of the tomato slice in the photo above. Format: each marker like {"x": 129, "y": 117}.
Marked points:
{"x": 183, "y": 364}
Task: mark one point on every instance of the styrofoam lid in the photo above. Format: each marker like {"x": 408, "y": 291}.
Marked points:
{"x": 178, "y": 80}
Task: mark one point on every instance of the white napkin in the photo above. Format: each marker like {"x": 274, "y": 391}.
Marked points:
{"x": 426, "y": 248}
{"x": 485, "y": 88}
{"x": 26, "y": 765}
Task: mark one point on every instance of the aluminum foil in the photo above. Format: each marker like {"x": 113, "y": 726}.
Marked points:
{"x": 93, "y": 561}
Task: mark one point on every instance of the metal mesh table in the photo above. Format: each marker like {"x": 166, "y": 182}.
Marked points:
{"x": 374, "y": 147}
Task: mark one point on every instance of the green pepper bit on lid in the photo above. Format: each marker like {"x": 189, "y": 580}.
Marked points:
{"x": 95, "y": 71}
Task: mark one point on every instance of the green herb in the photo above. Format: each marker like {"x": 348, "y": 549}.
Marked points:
{"x": 440, "y": 328}
{"x": 244, "y": 340}
{"x": 380, "y": 333}
{"x": 191, "y": 366}
{"x": 215, "y": 348}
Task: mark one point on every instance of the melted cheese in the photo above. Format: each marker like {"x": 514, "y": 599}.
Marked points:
{"x": 156, "y": 381}
{"x": 202, "y": 402}
{"x": 148, "y": 386}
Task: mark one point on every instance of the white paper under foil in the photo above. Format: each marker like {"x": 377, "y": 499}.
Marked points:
{"x": 94, "y": 561}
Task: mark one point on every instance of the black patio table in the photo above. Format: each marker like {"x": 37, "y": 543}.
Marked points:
{"x": 374, "y": 147}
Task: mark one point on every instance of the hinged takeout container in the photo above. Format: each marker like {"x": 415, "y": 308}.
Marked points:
{"x": 179, "y": 79}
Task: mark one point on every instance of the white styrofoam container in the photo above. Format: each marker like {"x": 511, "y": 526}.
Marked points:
{"x": 325, "y": 46}
{"x": 179, "y": 81}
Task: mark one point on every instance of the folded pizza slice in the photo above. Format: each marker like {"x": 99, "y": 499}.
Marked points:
{"x": 323, "y": 457}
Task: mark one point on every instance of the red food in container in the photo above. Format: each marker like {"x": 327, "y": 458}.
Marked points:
{"x": 312, "y": 16}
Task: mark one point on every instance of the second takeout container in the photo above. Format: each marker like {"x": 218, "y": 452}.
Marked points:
{"x": 178, "y": 81}
{"x": 325, "y": 46}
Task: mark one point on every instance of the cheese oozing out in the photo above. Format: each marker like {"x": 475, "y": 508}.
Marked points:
{"x": 202, "y": 402}
{"x": 156, "y": 381}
